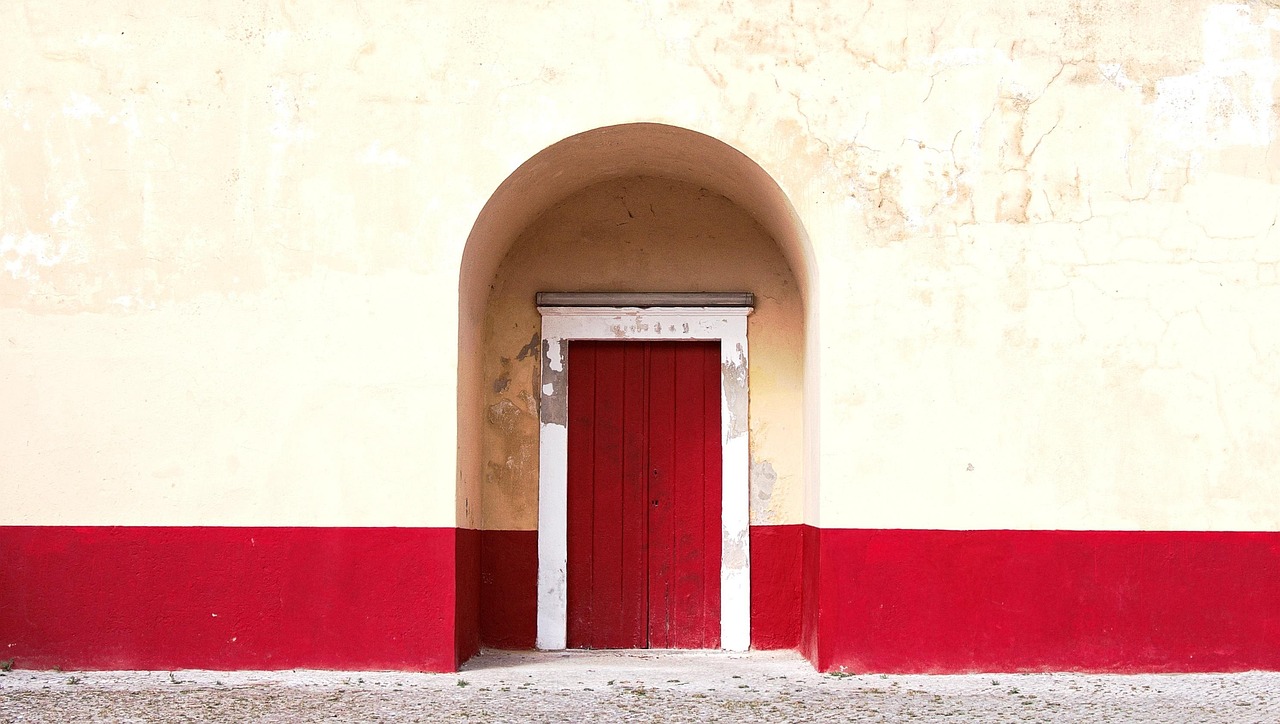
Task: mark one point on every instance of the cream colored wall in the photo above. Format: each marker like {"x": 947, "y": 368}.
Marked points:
{"x": 1044, "y": 241}
{"x": 1058, "y": 307}
{"x": 642, "y": 234}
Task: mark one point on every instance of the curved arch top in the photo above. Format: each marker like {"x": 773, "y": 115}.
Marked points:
{"x": 631, "y": 149}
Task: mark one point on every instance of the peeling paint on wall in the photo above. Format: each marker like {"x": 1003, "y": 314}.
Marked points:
{"x": 734, "y": 551}
{"x": 530, "y": 349}
{"x": 24, "y": 256}
{"x": 554, "y": 411}
{"x": 733, "y": 375}
{"x": 763, "y": 480}
{"x": 1228, "y": 100}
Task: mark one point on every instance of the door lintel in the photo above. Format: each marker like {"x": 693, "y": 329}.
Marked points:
{"x": 646, "y": 299}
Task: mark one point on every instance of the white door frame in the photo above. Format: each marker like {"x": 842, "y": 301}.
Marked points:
{"x": 726, "y": 325}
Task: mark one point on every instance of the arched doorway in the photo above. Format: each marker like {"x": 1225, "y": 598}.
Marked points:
{"x": 636, "y": 208}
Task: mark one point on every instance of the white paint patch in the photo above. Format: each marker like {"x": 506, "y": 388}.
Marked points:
{"x": 277, "y": 39}
{"x": 376, "y": 155}
{"x": 286, "y": 129}
{"x": 99, "y": 40}
{"x": 960, "y": 57}
{"x": 554, "y": 356}
{"x": 127, "y": 118}
{"x": 8, "y": 106}
{"x": 63, "y": 218}
{"x": 1228, "y": 101}
{"x": 1115, "y": 74}
{"x": 562, "y": 324}
{"x": 132, "y": 302}
{"x": 81, "y": 107}
{"x": 23, "y": 256}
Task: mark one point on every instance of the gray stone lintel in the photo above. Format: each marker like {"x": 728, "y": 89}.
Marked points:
{"x": 646, "y": 299}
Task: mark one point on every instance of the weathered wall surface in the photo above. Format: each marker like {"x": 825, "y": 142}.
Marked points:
{"x": 1044, "y": 235}
{"x": 1055, "y": 303}
{"x": 643, "y": 234}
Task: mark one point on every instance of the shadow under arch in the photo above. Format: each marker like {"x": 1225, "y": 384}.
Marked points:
{"x": 558, "y": 172}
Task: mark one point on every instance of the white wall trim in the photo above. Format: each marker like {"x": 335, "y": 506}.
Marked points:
{"x": 728, "y": 325}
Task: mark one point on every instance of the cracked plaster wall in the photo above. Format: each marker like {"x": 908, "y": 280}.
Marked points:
{"x": 1044, "y": 234}
{"x": 642, "y": 234}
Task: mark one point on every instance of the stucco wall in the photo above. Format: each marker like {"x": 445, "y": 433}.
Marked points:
{"x": 642, "y": 234}
{"x": 1046, "y": 256}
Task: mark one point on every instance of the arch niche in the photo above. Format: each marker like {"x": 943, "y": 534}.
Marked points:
{"x": 632, "y": 208}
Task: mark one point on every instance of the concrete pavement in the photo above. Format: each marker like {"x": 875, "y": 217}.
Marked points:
{"x": 632, "y": 686}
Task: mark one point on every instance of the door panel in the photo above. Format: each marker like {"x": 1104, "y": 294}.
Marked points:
{"x": 635, "y": 499}
{"x": 662, "y": 518}
{"x": 607, "y": 533}
{"x": 695, "y": 610}
{"x": 644, "y": 495}
{"x": 581, "y": 454}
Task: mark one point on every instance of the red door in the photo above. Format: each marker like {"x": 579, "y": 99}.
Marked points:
{"x": 644, "y": 495}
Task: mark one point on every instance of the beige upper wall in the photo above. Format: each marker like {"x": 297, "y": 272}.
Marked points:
{"x": 1044, "y": 235}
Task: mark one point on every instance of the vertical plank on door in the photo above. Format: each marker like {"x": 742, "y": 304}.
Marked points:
{"x": 712, "y": 476}
{"x": 581, "y": 443}
{"x": 633, "y": 604}
{"x": 688, "y": 615}
{"x": 661, "y": 523}
{"x": 607, "y": 518}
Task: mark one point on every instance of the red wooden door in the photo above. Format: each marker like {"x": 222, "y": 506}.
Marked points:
{"x": 644, "y": 495}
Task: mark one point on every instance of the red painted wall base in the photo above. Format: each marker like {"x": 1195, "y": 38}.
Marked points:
{"x": 508, "y": 588}
{"x": 423, "y": 599}
{"x": 922, "y": 601}
{"x": 228, "y": 598}
{"x": 467, "y": 602}
{"x": 777, "y": 568}
{"x": 810, "y": 550}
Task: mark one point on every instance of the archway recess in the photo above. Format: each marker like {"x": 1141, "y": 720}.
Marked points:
{"x": 677, "y": 173}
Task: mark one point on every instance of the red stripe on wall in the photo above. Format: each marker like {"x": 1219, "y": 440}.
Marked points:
{"x": 509, "y": 588}
{"x": 957, "y": 601}
{"x": 395, "y": 598}
{"x": 811, "y": 550}
{"x": 467, "y": 602}
{"x": 228, "y": 598}
{"x": 777, "y": 566}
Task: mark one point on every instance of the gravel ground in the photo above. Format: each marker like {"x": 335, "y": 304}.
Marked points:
{"x": 632, "y": 686}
